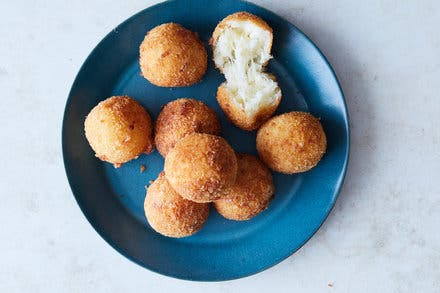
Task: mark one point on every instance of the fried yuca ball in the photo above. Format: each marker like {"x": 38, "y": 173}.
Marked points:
{"x": 251, "y": 193}
{"x": 292, "y": 142}
{"x": 180, "y": 118}
{"x": 241, "y": 45}
{"x": 201, "y": 166}
{"x": 170, "y": 214}
{"x": 119, "y": 129}
{"x": 172, "y": 56}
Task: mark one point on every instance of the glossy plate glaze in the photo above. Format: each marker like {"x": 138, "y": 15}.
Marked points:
{"x": 112, "y": 199}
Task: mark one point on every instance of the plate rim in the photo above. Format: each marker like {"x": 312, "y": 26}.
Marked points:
{"x": 188, "y": 277}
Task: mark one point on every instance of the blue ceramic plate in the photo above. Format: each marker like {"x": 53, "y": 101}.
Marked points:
{"x": 112, "y": 199}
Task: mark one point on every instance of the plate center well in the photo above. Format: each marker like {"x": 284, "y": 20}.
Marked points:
{"x": 128, "y": 182}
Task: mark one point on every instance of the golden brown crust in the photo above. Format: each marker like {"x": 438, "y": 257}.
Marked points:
{"x": 170, "y": 214}
{"x": 119, "y": 129}
{"x": 292, "y": 142}
{"x": 180, "y": 118}
{"x": 172, "y": 56}
{"x": 240, "y": 16}
{"x": 238, "y": 116}
{"x": 201, "y": 166}
{"x": 251, "y": 193}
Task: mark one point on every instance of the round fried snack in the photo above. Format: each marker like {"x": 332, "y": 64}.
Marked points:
{"x": 201, "y": 166}
{"x": 180, "y": 118}
{"x": 170, "y": 214}
{"x": 251, "y": 193}
{"x": 291, "y": 143}
{"x": 119, "y": 129}
{"x": 172, "y": 56}
{"x": 238, "y": 115}
{"x": 241, "y": 45}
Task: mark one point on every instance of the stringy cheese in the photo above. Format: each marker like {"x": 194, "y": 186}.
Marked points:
{"x": 240, "y": 52}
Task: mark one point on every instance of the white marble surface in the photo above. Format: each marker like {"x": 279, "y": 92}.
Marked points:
{"x": 383, "y": 235}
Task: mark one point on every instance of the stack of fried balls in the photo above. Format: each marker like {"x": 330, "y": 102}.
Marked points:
{"x": 200, "y": 166}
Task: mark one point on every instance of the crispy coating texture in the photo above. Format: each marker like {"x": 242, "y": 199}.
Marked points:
{"x": 119, "y": 129}
{"x": 292, "y": 142}
{"x": 251, "y": 193}
{"x": 201, "y": 166}
{"x": 180, "y": 118}
{"x": 240, "y": 16}
{"x": 170, "y": 214}
{"x": 238, "y": 116}
{"x": 172, "y": 56}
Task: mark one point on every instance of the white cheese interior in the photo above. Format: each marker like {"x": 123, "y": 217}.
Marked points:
{"x": 240, "y": 51}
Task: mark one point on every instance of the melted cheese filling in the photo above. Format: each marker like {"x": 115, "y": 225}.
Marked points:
{"x": 241, "y": 51}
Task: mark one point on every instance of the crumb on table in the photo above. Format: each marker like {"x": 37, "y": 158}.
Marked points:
{"x": 142, "y": 168}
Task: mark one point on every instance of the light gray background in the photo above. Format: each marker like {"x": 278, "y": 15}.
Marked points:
{"x": 382, "y": 236}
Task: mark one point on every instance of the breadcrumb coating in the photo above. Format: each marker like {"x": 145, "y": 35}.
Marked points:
{"x": 251, "y": 193}
{"x": 170, "y": 214}
{"x": 292, "y": 142}
{"x": 172, "y": 56}
{"x": 180, "y": 118}
{"x": 201, "y": 166}
{"x": 119, "y": 129}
